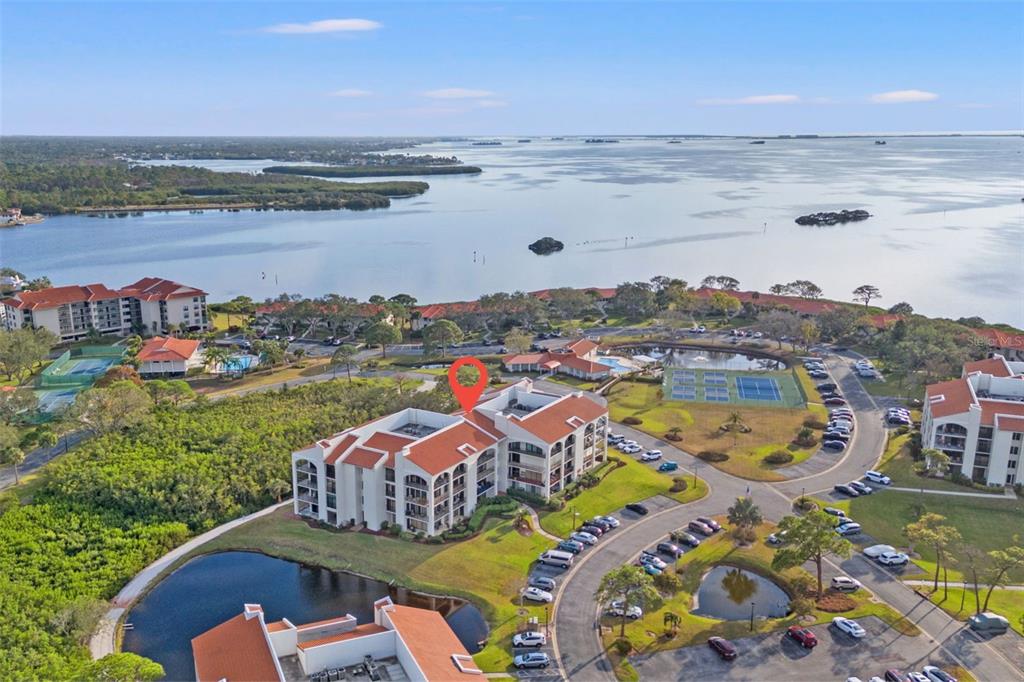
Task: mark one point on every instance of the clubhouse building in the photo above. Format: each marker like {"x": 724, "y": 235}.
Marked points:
{"x": 425, "y": 471}
{"x": 576, "y": 359}
{"x": 402, "y": 643}
{"x": 978, "y": 420}
{"x": 149, "y": 306}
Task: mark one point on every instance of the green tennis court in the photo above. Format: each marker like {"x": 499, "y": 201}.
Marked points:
{"x": 763, "y": 389}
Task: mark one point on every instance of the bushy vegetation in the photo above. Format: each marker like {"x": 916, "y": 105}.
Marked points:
{"x": 125, "y": 498}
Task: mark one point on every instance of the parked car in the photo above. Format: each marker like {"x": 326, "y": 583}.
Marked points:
{"x": 894, "y": 675}
{"x": 630, "y": 449}
{"x": 777, "y": 538}
{"x": 805, "y": 637}
{"x": 610, "y": 520}
{"x": 877, "y": 477}
{"x": 848, "y": 528}
{"x": 633, "y": 612}
{"x": 834, "y": 444}
{"x": 668, "y": 466}
{"x": 649, "y": 569}
{"x": 710, "y": 523}
{"x": 584, "y": 537}
{"x": 817, "y": 374}
{"x": 842, "y": 583}
{"x": 698, "y": 527}
{"x": 877, "y": 550}
{"x": 892, "y": 559}
{"x": 529, "y": 639}
{"x": 571, "y": 546}
{"x": 841, "y": 436}
{"x": 650, "y": 456}
{"x": 827, "y": 387}
{"x": 534, "y": 659}
{"x": 555, "y": 557}
{"x": 593, "y": 530}
{"x": 543, "y": 582}
{"x": 638, "y": 508}
{"x": 845, "y": 490}
{"x": 917, "y": 677}
{"x": 988, "y": 622}
{"x": 849, "y": 626}
{"x": 936, "y": 674}
{"x": 725, "y": 649}
{"x": 835, "y": 401}
{"x": 685, "y": 538}
{"x": 862, "y": 488}
{"x": 673, "y": 551}
{"x": 537, "y": 594}
{"x": 600, "y": 523}
{"x": 832, "y": 511}
{"x": 842, "y": 412}
{"x": 614, "y": 438}
{"x": 898, "y": 420}
{"x": 648, "y": 558}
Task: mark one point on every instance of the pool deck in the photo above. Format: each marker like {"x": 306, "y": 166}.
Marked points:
{"x": 389, "y": 669}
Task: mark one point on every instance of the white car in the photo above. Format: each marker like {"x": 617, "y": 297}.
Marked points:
{"x": 631, "y": 449}
{"x": 616, "y": 438}
{"x": 877, "y": 477}
{"x": 878, "y": 550}
{"x": 893, "y": 559}
{"x": 627, "y": 444}
{"x": 758, "y": 335}
{"x": 850, "y": 627}
{"x": 917, "y": 677}
{"x": 537, "y": 594}
{"x": 651, "y": 455}
{"x": 842, "y": 583}
{"x": 584, "y": 537}
{"x": 530, "y": 639}
{"x": 610, "y": 520}
{"x": 936, "y": 674}
{"x": 633, "y": 612}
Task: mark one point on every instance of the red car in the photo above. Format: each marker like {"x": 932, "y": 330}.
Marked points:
{"x": 803, "y": 635}
{"x": 725, "y": 649}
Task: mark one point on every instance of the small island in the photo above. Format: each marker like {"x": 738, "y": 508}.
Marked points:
{"x": 546, "y": 245}
{"x": 833, "y": 218}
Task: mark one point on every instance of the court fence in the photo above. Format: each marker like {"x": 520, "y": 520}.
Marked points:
{"x": 56, "y": 375}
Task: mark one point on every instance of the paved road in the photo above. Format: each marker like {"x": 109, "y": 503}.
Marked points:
{"x": 576, "y": 639}
{"x": 39, "y": 457}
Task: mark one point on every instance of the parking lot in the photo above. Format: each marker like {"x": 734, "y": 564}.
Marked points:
{"x": 775, "y": 656}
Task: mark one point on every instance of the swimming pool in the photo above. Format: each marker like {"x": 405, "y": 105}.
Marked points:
{"x": 615, "y": 364}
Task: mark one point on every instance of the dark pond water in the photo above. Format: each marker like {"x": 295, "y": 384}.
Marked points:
{"x": 211, "y": 589}
{"x": 727, "y": 592}
{"x": 709, "y": 359}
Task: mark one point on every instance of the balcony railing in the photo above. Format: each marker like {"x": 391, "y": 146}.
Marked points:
{"x": 483, "y": 486}
{"x": 306, "y": 469}
{"x": 529, "y": 481}
{"x": 311, "y": 499}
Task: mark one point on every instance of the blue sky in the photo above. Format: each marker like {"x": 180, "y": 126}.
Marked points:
{"x": 426, "y": 68}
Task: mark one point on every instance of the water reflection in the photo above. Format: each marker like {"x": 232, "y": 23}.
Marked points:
{"x": 728, "y": 593}
{"x": 739, "y": 586}
{"x": 711, "y": 359}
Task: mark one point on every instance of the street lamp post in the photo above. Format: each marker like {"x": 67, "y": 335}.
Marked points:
{"x": 752, "y": 605}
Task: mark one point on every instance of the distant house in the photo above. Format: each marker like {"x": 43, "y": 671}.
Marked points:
{"x": 12, "y": 213}
{"x": 576, "y": 359}
{"x": 168, "y": 357}
{"x": 1008, "y": 344}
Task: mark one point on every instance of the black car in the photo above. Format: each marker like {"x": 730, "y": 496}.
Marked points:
{"x": 638, "y": 508}
{"x": 592, "y": 529}
{"x": 684, "y": 538}
{"x": 827, "y": 387}
{"x": 836, "y": 435}
{"x": 601, "y": 523}
{"x": 670, "y": 549}
{"x": 845, "y": 490}
{"x": 825, "y": 395}
{"x": 725, "y": 649}
{"x": 861, "y": 487}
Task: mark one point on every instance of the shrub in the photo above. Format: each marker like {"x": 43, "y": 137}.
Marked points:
{"x": 814, "y": 423}
{"x": 678, "y": 485}
{"x": 804, "y": 504}
{"x": 712, "y": 456}
{"x": 779, "y": 457}
{"x": 802, "y": 606}
{"x": 527, "y": 497}
{"x": 668, "y": 583}
{"x": 958, "y": 478}
{"x": 903, "y": 430}
{"x": 622, "y": 646}
{"x": 633, "y": 421}
{"x": 744, "y": 534}
{"x": 836, "y": 602}
{"x": 804, "y": 433}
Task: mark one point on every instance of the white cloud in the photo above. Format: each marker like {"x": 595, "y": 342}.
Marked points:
{"x": 752, "y": 99}
{"x": 457, "y": 93}
{"x": 902, "y": 96}
{"x": 350, "y": 92}
{"x": 325, "y": 26}
{"x": 491, "y": 103}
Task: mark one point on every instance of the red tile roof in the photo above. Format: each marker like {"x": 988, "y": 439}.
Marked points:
{"x": 358, "y": 631}
{"x": 993, "y": 409}
{"x": 997, "y": 367}
{"x": 57, "y": 296}
{"x": 167, "y": 348}
{"x": 159, "y": 289}
{"x": 361, "y": 457}
{"x": 430, "y": 640}
{"x": 444, "y": 448}
{"x": 1010, "y": 424}
{"x": 390, "y": 443}
{"x": 525, "y": 359}
{"x": 956, "y": 397}
{"x": 806, "y": 306}
{"x": 551, "y": 423}
{"x": 339, "y": 449}
{"x": 436, "y": 311}
{"x": 1001, "y": 339}
{"x": 236, "y": 649}
{"x": 483, "y": 422}
{"x": 278, "y": 626}
{"x": 581, "y": 347}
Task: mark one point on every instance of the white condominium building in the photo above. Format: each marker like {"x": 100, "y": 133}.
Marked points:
{"x": 978, "y": 420}
{"x": 149, "y": 306}
{"x": 425, "y": 471}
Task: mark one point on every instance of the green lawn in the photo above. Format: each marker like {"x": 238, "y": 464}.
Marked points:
{"x": 489, "y": 569}
{"x": 1007, "y": 603}
{"x": 770, "y": 428}
{"x": 648, "y": 633}
{"x": 630, "y": 483}
{"x": 986, "y": 524}
{"x": 581, "y": 384}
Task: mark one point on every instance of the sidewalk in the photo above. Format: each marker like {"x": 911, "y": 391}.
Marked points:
{"x": 1007, "y": 494}
{"x": 970, "y": 585}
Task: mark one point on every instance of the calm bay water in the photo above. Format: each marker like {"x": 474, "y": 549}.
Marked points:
{"x": 211, "y": 589}
{"x": 947, "y": 232}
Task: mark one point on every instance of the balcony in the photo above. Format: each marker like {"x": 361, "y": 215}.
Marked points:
{"x": 415, "y": 513}
{"x": 306, "y": 469}
{"x": 528, "y": 480}
{"x": 483, "y": 486}
{"x": 311, "y": 499}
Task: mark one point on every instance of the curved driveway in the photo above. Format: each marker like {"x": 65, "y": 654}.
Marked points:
{"x": 576, "y": 642}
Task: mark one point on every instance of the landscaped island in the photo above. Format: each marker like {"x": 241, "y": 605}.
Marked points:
{"x": 833, "y": 218}
{"x": 370, "y": 171}
{"x": 546, "y": 245}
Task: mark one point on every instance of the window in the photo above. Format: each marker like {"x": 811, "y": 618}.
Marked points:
{"x": 1012, "y": 464}
{"x": 1017, "y": 436}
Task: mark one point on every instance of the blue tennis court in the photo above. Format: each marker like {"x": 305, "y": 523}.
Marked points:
{"x": 89, "y": 366}
{"x": 757, "y": 388}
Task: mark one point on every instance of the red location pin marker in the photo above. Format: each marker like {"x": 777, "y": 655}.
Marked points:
{"x": 467, "y": 395}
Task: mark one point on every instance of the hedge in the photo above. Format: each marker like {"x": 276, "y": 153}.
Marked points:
{"x": 779, "y": 457}
{"x": 712, "y": 456}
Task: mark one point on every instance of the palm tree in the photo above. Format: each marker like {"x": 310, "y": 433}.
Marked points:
{"x": 278, "y": 487}
{"x": 215, "y": 355}
{"x": 735, "y": 421}
{"x": 744, "y": 513}
{"x": 936, "y": 460}
{"x": 344, "y": 356}
{"x": 672, "y": 620}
